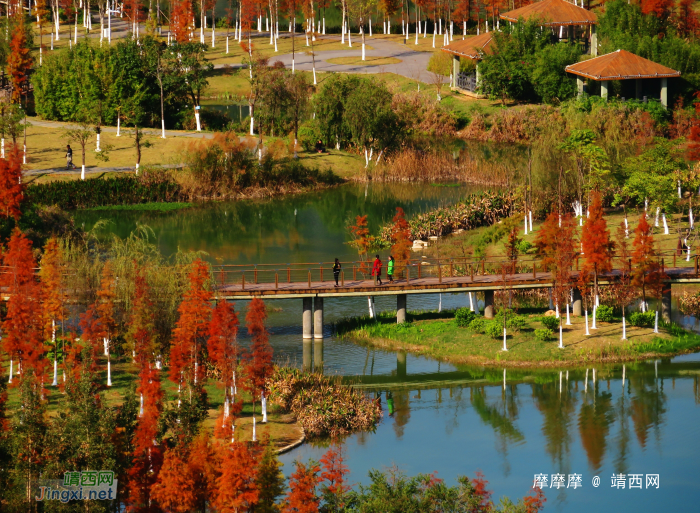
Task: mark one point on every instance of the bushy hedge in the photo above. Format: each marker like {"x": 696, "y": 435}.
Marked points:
{"x": 551, "y": 323}
{"x": 643, "y": 319}
{"x": 464, "y": 317}
{"x": 604, "y": 314}
{"x": 96, "y": 192}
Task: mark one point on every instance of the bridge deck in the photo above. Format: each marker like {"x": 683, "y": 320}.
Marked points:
{"x": 426, "y": 285}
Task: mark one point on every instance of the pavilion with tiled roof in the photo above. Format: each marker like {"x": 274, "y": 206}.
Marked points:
{"x": 558, "y": 13}
{"x": 471, "y": 48}
{"x": 622, "y": 65}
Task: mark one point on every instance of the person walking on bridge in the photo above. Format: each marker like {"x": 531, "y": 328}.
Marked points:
{"x": 390, "y": 269}
{"x": 336, "y": 271}
{"x": 377, "y": 270}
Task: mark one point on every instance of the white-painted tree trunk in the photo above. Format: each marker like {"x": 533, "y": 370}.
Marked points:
{"x": 162, "y": 128}
{"x": 593, "y": 326}
{"x": 370, "y": 26}
{"x": 371, "y": 310}
{"x": 349, "y": 39}
{"x": 136, "y": 167}
{"x": 556, "y": 311}
{"x": 55, "y": 372}
{"x": 24, "y": 156}
{"x": 109, "y": 373}
{"x": 2, "y": 148}
{"x": 263, "y": 404}
{"x": 254, "y": 439}
{"x": 434, "y": 34}
{"x": 624, "y": 326}
{"x": 11, "y": 370}
{"x": 82, "y": 172}
{"x": 561, "y": 345}
{"x": 363, "y": 58}
{"x": 656, "y": 322}
{"x": 505, "y": 348}
{"x": 213, "y": 36}
{"x": 196, "y": 118}
{"x": 665, "y": 224}
{"x": 587, "y": 332}
{"x": 251, "y": 125}
{"x": 226, "y": 45}
{"x": 568, "y": 319}
{"x": 471, "y": 301}
{"x": 525, "y": 225}
{"x": 141, "y": 408}
{"x": 531, "y": 228}
{"x": 97, "y": 143}
{"x": 118, "y": 126}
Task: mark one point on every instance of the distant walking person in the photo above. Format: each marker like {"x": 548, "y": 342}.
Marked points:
{"x": 69, "y": 157}
{"x": 336, "y": 271}
{"x": 390, "y": 269}
{"x": 377, "y": 270}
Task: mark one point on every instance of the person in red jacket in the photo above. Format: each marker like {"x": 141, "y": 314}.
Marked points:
{"x": 377, "y": 270}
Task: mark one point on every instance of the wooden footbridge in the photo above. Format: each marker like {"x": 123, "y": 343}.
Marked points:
{"x": 314, "y": 282}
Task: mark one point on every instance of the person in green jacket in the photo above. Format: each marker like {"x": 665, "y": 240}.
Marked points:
{"x": 390, "y": 269}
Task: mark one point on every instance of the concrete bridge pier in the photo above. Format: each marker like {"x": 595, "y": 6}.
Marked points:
{"x": 488, "y": 304}
{"x": 401, "y": 364}
{"x": 306, "y": 344}
{"x": 318, "y": 318}
{"x": 318, "y": 355}
{"x": 400, "y": 308}
{"x": 666, "y": 303}
{"x": 577, "y": 306}
{"x": 306, "y": 317}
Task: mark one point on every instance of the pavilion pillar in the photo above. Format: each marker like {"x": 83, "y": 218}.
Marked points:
{"x": 594, "y": 41}
{"x": 604, "y": 85}
{"x": 306, "y": 318}
{"x": 455, "y": 70}
{"x": 488, "y": 304}
{"x": 570, "y": 34}
{"x": 638, "y": 89}
{"x": 576, "y": 307}
{"x": 579, "y": 86}
{"x": 664, "y": 92}
{"x": 478, "y": 76}
{"x": 666, "y": 302}
{"x": 318, "y": 318}
{"x": 400, "y": 308}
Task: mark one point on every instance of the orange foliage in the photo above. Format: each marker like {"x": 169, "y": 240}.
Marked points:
{"x": 646, "y": 271}
{"x": 557, "y": 246}
{"x": 335, "y": 471}
{"x": 694, "y": 147}
{"x": 11, "y": 188}
{"x": 175, "y": 489}
{"x": 192, "y": 326}
{"x": 22, "y": 327}
{"x": 534, "y": 500}
{"x": 595, "y": 239}
{"x": 52, "y": 284}
{"x": 19, "y": 60}
{"x": 659, "y": 8}
{"x": 360, "y": 235}
{"x": 301, "y": 497}
{"x": 236, "y": 490}
{"x": 401, "y": 240}
{"x": 182, "y": 20}
{"x": 259, "y": 364}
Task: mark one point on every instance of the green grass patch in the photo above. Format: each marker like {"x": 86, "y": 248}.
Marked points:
{"x": 531, "y": 338}
{"x": 150, "y": 207}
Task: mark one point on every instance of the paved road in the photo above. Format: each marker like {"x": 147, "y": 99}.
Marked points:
{"x": 414, "y": 64}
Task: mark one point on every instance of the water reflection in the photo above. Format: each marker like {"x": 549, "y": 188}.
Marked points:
{"x": 618, "y": 419}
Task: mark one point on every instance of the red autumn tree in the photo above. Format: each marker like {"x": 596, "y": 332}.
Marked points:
{"x": 11, "y": 186}
{"x": 190, "y": 332}
{"x": 557, "y": 247}
{"x": 688, "y": 24}
{"x": 646, "y": 271}
{"x": 334, "y": 474}
{"x": 401, "y": 240}
{"x": 236, "y": 489}
{"x": 175, "y": 490}
{"x": 104, "y": 308}
{"x": 694, "y": 136}
{"x": 259, "y": 364}
{"x": 360, "y": 235}
{"x": 22, "y": 327}
{"x": 204, "y": 465}
{"x": 301, "y": 497}
{"x": 595, "y": 239}
{"x": 659, "y": 8}
{"x": 19, "y": 61}
{"x": 534, "y": 500}
{"x": 182, "y": 17}
{"x": 224, "y": 353}
{"x": 54, "y": 294}
{"x": 147, "y": 456}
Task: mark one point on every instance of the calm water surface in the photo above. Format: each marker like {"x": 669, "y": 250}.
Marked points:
{"x": 458, "y": 420}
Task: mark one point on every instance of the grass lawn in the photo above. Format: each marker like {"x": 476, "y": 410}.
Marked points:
{"x": 46, "y": 150}
{"x": 441, "y": 338}
{"x": 281, "y": 426}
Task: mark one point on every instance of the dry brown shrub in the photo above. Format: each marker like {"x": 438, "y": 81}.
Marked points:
{"x": 414, "y": 166}
{"x": 423, "y": 114}
{"x": 476, "y": 130}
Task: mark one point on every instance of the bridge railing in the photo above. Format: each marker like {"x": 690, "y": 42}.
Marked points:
{"x": 414, "y": 269}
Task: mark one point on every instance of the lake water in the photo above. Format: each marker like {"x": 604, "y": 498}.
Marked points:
{"x": 457, "y": 420}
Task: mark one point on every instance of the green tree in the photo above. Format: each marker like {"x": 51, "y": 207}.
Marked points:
{"x": 440, "y": 66}
{"x": 549, "y": 78}
{"x": 330, "y": 104}
{"x": 269, "y": 479}
{"x": 653, "y": 176}
{"x": 188, "y": 73}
